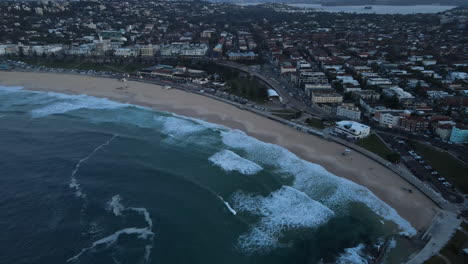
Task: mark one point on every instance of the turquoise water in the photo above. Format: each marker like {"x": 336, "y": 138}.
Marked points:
{"x": 89, "y": 180}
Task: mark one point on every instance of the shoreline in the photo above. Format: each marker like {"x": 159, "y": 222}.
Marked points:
{"x": 415, "y": 207}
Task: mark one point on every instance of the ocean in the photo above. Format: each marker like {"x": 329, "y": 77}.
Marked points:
{"x": 376, "y": 9}
{"x": 89, "y": 180}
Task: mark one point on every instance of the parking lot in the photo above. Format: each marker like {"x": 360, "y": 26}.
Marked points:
{"x": 419, "y": 167}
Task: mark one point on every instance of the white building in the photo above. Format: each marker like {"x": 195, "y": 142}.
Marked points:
{"x": 180, "y": 49}
{"x": 126, "y": 52}
{"x": 348, "y": 112}
{"x": 398, "y": 92}
{"x": 389, "y": 119}
{"x": 352, "y": 129}
{"x": 379, "y": 81}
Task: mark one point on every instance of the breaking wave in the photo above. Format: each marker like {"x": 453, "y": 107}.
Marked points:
{"x": 69, "y": 103}
{"x": 313, "y": 180}
{"x": 284, "y": 209}
{"x": 230, "y": 161}
{"x": 353, "y": 255}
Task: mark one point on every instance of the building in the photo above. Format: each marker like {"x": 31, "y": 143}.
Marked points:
{"x": 287, "y": 67}
{"x": 401, "y": 94}
{"x": 303, "y": 78}
{"x": 349, "y": 112}
{"x": 182, "y": 49}
{"x": 327, "y": 96}
{"x": 352, "y": 129}
{"x": 459, "y": 134}
{"x": 241, "y": 55}
{"x": 382, "y": 82}
{"x": 443, "y": 129}
{"x": 273, "y": 95}
{"x": 366, "y": 95}
{"x": 389, "y": 119}
{"x": 414, "y": 124}
{"x": 148, "y": 50}
{"x": 126, "y": 52}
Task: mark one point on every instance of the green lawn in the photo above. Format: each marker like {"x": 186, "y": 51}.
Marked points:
{"x": 250, "y": 89}
{"x": 447, "y": 166}
{"x": 374, "y": 144}
{"x": 315, "y": 123}
{"x": 453, "y": 250}
{"x": 435, "y": 260}
{"x": 286, "y": 113}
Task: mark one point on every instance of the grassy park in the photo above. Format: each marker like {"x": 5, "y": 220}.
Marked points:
{"x": 447, "y": 165}
{"x": 374, "y": 144}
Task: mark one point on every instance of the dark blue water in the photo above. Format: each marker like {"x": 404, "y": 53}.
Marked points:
{"x": 88, "y": 180}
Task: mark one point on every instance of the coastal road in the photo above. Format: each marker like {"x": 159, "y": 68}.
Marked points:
{"x": 279, "y": 85}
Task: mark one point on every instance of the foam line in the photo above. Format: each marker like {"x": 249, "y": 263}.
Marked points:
{"x": 143, "y": 233}
{"x": 73, "y": 181}
{"x": 228, "y": 206}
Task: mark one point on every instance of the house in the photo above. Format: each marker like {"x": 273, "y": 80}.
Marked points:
{"x": 459, "y": 134}
{"x": 352, "y": 129}
{"x": 286, "y": 67}
{"x": 349, "y": 112}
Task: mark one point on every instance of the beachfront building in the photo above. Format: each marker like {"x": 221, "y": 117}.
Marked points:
{"x": 352, "y": 129}
{"x": 241, "y": 55}
{"x": 126, "y": 52}
{"x": 182, "y": 49}
{"x": 349, "y": 112}
{"x": 148, "y": 50}
{"x": 459, "y": 134}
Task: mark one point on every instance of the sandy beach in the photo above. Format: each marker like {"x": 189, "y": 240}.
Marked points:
{"x": 388, "y": 186}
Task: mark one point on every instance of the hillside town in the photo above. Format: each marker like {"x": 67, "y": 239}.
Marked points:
{"x": 357, "y": 67}
{"x": 395, "y": 86}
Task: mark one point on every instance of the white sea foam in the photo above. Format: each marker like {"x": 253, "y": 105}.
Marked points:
{"x": 353, "y": 255}
{"x": 284, "y": 209}
{"x": 69, "y": 103}
{"x": 312, "y": 179}
{"x": 230, "y": 161}
{"x": 142, "y": 233}
{"x": 228, "y": 206}
{"x": 179, "y": 127}
{"x": 74, "y": 184}
{"x": 10, "y": 88}
{"x": 145, "y": 214}
{"x": 115, "y": 206}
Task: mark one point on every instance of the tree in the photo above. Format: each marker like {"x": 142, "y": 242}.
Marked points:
{"x": 393, "y": 157}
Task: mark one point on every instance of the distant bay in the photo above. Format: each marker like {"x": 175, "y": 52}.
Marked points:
{"x": 376, "y": 9}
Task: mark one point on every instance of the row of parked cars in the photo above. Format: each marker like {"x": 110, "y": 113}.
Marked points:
{"x": 429, "y": 168}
